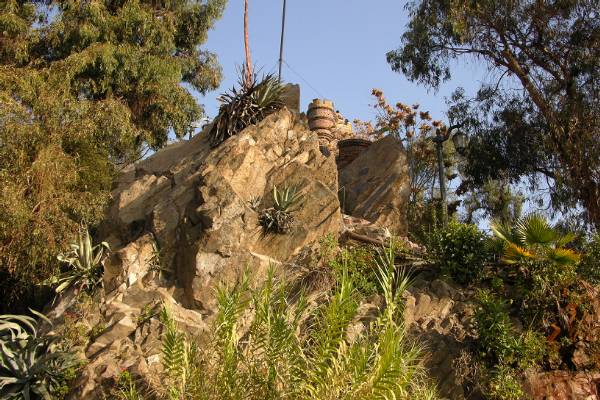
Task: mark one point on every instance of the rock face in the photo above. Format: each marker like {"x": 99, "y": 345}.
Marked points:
{"x": 201, "y": 207}
{"x": 440, "y": 315}
{"x": 563, "y": 385}
{"x": 376, "y": 187}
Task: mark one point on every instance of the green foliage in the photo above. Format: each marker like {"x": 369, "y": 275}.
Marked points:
{"x": 546, "y": 128}
{"x": 127, "y": 387}
{"x": 84, "y": 263}
{"x": 589, "y": 268}
{"x": 178, "y": 360}
{"x": 284, "y": 199}
{"x": 278, "y": 360}
{"x": 544, "y": 264}
{"x": 358, "y": 263}
{"x": 459, "y": 250}
{"x": 498, "y": 341}
{"x": 246, "y": 106}
{"x": 31, "y": 365}
{"x": 278, "y": 219}
{"x": 84, "y": 88}
{"x": 533, "y": 240}
{"x": 504, "y": 385}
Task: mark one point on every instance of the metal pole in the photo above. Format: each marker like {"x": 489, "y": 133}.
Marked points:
{"x": 282, "y": 37}
{"x": 440, "y": 156}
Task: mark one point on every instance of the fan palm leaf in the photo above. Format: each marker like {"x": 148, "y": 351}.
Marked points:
{"x": 534, "y": 229}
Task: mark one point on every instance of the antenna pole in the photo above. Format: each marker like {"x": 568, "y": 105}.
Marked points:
{"x": 282, "y": 37}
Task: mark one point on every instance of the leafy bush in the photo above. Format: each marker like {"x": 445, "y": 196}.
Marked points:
{"x": 31, "y": 365}
{"x": 589, "y": 268}
{"x": 277, "y": 359}
{"x": 504, "y": 385}
{"x": 459, "y": 250}
{"x": 278, "y": 219}
{"x": 498, "y": 341}
{"x": 545, "y": 267}
{"x": 358, "y": 263}
{"x": 246, "y": 106}
{"x": 84, "y": 264}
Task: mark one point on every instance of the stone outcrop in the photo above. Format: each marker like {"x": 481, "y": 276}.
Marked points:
{"x": 185, "y": 221}
{"x": 375, "y": 186}
{"x": 201, "y": 207}
{"x": 441, "y": 316}
{"x": 563, "y": 385}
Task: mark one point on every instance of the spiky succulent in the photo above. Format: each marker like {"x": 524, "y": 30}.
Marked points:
{"x": 285, "y": 198}
{"x": 278, "y": 219}
{"x": 84, "y": 264}
{"x": 31, "y": 365}
{"x": 246, "y": 106}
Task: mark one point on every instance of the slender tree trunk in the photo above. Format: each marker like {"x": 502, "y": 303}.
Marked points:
{"x": 248, "y": 65}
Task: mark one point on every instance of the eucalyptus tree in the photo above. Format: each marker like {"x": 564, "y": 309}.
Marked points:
{"x": 85, "y": 87}
{"x": 540, "y": 115}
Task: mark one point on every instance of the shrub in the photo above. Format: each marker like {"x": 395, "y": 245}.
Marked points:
{"x": 32, "y": 365}
{"x": 498, "y": 341}
{"x": 459, "y": 250}
{"x": 504, "y": 385}
{"x": 127, "y": 387}
{"x": 589, "y": 268}
{"x": 545, "y": 267}
{"x": 278, "y": 359}
{"x": 359, "y": 263}
{"x": 246, "y": 106}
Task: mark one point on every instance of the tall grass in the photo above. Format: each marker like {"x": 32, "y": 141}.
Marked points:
{"x": 291, "y": 351}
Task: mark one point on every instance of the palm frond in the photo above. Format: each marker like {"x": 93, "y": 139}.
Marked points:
{"x": 514, "y": 253}
{"x": 504, "y": 232}
{"x": 563, "y": 256}
{"x": 534, "y": 229}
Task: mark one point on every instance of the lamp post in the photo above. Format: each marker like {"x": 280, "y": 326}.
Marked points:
{"x": 460, "y": 142}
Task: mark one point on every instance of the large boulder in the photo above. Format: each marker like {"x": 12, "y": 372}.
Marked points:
{"x": 201, "y": 207}
{"x": 376, "y": 187}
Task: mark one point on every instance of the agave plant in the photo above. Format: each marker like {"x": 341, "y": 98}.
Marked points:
{"x": 31, "y": 366}
{"x": 84, "y": 262}
{"x": 533, "y": 239}
{"x": 283, "y": 200}
{"x": 278, "y": 219}
{"x": 246, "y": 106}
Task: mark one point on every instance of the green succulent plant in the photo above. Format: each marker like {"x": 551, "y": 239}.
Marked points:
{"x": 246, "y": 106}
{"x": 283, "y": 200}
{"x": 278, "y": 219}
{"x": 31, "y": 365}
{"x": 84, "y": 262}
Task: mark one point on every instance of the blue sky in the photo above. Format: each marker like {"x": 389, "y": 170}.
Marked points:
{"x": 337, "y": 46}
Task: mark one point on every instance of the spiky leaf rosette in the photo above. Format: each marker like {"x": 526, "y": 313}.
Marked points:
{"x": 246, "y": 106}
